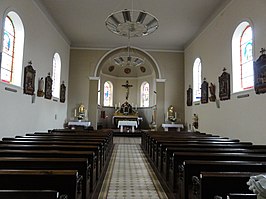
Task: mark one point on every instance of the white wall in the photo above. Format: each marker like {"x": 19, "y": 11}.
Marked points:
{"x": 236, "y": 118}
{"x": 18, "y": 114}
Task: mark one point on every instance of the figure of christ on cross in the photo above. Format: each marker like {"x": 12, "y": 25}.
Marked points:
{"x": 127, "y": 86}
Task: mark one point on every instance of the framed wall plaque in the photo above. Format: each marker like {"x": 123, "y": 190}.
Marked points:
{"x": 48, "y": 87}
{"x": 189, "y": 96}
{"x": 224, "y": 86}
{"x": 260, "y": 73}
{"x": 204, "y": 92}
{"x": 29, "y": 80}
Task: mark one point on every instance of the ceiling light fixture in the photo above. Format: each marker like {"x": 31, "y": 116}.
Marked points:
{"x": 128, "y": 61}
{"x": 132, "y": 23}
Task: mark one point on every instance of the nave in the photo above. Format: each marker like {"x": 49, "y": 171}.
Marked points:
{"x": 129, "y": 174}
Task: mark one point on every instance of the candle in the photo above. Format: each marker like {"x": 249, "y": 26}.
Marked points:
{"x": 115, "y": 106}
{"x": 75, "y": 114}
{"x": 119, "y": 104}
{"x": 175, "y": 115}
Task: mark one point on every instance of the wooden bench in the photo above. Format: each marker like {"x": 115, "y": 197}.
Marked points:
{"x": 29, "y": 163}
{"x": 89, "y": 155}
{"x": 190, "y": 172}
{"x": 30, "y": 194}
{"x": 179, "y": 157}
{"x": 221, "y": 183}
{"x": 66, "y": 182}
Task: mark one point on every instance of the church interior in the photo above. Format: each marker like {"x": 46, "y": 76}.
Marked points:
{"x": 132, "y": 99}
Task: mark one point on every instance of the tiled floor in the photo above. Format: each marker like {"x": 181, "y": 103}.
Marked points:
{"x": 129, "y": 175}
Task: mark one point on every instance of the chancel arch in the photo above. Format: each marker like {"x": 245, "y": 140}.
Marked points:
{"x": 121, "y": 75}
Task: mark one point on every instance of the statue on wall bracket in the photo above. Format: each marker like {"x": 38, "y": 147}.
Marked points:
{"x": 224, "y": 86}
{"x": 189, "y": 96}
{"x": 48, "y": 87}
{"x": 204, "y": 92}
{"x": 29, "y": 79}
{"x": 212, "y": 88}
{"x": 63, "y": 92}
{"x": 260, "y": 73}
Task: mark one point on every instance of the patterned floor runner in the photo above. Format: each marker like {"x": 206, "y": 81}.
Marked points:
{"x": 130, "y": 176}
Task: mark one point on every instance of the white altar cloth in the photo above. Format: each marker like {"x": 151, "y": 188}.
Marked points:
{"x": 123, "y": 123}
{"x": 79, "y": 123}
{"x": 177, "y": 126}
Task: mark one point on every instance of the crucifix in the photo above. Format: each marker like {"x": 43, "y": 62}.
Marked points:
{"x": 127, "y": 86}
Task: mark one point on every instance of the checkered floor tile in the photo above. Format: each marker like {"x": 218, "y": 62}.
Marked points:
{"x": 130, "y": 176}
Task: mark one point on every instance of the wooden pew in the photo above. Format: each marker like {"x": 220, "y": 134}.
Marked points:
{"x": 180, "y": 157}
{"x": 30, "y": 194}
{"x": 30, "y": 163}
{"x": 102, "y": 152}
{"x": 210, "y": 148}
{"x": 241, "y": 196}
{"x": 221, "y": 183}
{"x": 190, "y": 172}
{"x": 66, "y": 182}
{"x": 89, "y": 155}
{"x": 85, "y": 148}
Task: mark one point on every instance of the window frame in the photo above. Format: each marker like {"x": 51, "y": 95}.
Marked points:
{"x": 16, "y": 68}
{"x": 197, "y": 67}
{"x": 56, "y": 75}
{"x": 111, "y": 95}
{"x": 237, "y": 65}
{"x": 142, "y": 93}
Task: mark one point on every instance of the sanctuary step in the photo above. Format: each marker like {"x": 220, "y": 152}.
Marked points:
{"x": 127, "y": 133}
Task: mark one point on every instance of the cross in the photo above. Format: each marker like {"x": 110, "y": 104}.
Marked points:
{"x": 262, "y": 51}
{"x": 127, "y": 86}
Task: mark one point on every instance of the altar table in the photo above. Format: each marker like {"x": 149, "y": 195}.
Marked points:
{"x": 123, "y": 123}
{"x": 177, "y": 126}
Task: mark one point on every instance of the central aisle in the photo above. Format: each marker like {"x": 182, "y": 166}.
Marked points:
{"x": 129, "y": 174}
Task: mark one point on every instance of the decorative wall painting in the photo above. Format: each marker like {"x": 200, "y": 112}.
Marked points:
{"x": 260, "y": 73}
{"x": 224, "y": 85}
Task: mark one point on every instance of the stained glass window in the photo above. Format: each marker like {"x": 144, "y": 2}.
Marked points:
{"x": 108, "y": 94}
{"x": 145, "y": 94}
{"x": 246, "y": 59}
{"x": 197, "y": 80}
{"x": 8, "y": 51}
{"x": 56, "y": 75}
{"x": 12, "y": 49}
{"x": 242, "y": 58}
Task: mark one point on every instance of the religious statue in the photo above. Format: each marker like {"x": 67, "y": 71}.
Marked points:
{"x": 81, "y": 112}
{"x": 127, "y": 86}
{"x": 195, "y": 120}
{"x": 40, "y": 92}
{"x": 171, "y": 114}
{"x": 257, "y": 184}
{"x": 212, "y": 91}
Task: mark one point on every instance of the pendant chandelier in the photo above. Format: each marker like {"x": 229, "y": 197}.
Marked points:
{"x": 128, "y": 60}
{"x": 131, "y": 23}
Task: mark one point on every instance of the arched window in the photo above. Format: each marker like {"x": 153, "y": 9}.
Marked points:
{"x": 56, "y": 75}
{"x": 242, "y": 57}
{"x": 197, "y": 80}
{"x": 108, "y": 94}
{"x": 12, "y": 49}
{"x": 145, "y": 94}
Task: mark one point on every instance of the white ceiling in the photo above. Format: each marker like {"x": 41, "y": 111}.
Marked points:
{"x": 83, "y": 21}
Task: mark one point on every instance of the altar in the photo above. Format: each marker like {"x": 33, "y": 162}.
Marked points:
{"x": 123, "y": 123}
{"x": 126, "y": 114}
{"x": 174, "y": 126}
